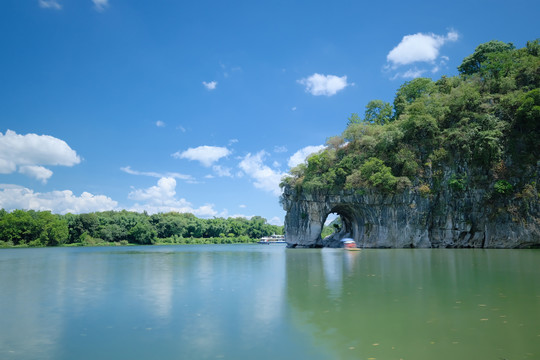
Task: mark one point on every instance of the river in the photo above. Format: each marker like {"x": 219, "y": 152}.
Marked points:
{"x": 268, "y": 302}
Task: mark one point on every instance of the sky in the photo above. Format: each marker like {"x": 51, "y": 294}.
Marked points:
{"x": 203, "y": 106}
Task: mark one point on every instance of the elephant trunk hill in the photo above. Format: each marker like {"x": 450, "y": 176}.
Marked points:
{"x": 451, "y": 163}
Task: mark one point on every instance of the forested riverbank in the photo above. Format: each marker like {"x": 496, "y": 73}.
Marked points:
{"x": 29, "y": 228}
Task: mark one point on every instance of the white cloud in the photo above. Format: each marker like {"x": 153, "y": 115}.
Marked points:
{"x": 222, "y": 171}
{"x": 410, "y": 74}
{"x": 293, "y": 108}
{"x": 165, "y": 190}
{"x": 452, "y": 36}
{"x": 225, "y": 214}
{"x": 419, "y": 48}
{"x": 129, "y": 170}
{"x": 38, "y": 172}
{"x": 301, "y": 155}
{"x": 160, "y": 123}
{"x": 263, "y": 176}
{"x": 162, "y": 198}
{"x": 30, "y": 151}
{"x": 181, "y": 128}
{"x": 280, "y": 149}
{"x": 101, "y": 5}
{"x": 276, "y": 220}
{"x": 328, "y": 85}
{"x": 61, "y": 202}
{"x": 206, "y": 155}
{"x": 49, "y": 4}
{"x": 242, "y": 206}
{"x": 210, "y": 85}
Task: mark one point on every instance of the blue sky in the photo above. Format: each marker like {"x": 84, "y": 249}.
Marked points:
{"x": 203, "y": 106}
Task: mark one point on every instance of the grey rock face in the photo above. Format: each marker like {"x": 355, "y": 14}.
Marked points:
{"x": 448, "y": 220}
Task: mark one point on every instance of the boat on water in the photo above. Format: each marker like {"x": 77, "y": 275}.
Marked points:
{"x": 350, "y": 245}
{"x": 272, "y": 239}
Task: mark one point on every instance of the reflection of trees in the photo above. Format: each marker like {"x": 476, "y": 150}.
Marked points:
{"x": 420, "y": 304}
{"x": 25, "y": 301}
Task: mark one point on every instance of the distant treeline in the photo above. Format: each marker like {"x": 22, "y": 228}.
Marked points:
{"x": 42, "y": 228}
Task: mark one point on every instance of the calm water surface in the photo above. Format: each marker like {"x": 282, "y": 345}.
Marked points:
{"x": 268, "y": 302}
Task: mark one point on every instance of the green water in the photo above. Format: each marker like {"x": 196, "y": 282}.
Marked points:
{"x": 268, "y": 302}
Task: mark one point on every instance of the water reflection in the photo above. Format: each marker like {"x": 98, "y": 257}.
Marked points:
{"x": 158, "y": 302}
{"x": 31, "y": 297}
{"x": 264, "y": 302}
{"x": 418, "y": 304}
{"x": 332, "y": 264}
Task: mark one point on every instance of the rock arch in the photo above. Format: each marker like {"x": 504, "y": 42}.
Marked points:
{"x": 372, "y": 220}
{"x": 405, "y": 220}
{"x": 352, "y": 225}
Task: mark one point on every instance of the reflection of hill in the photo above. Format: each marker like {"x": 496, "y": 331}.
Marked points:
{"x": 415, "y": 304}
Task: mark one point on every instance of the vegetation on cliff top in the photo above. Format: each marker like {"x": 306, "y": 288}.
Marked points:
{"x": 482, "y": 127}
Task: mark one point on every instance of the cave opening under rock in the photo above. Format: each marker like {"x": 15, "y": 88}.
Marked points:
{"x": 350, "y": 226}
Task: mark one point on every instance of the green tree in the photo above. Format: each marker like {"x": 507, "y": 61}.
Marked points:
{"x": 410, "y": 91}
{"x": 354, "y": 119}
{"x": 53, "y": 230}
{"x": 473, "y": 63}
{"x": 378, "y": 175}
{"x": 378, "y": 112}
{"x": 142, "y": 233}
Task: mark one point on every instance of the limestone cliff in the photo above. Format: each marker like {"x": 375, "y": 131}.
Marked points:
{"x": 449, "y": 219}
{"x": 451, "y": 163}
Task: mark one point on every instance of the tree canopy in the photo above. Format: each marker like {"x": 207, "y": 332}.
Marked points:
{"x": 41, "y": 228}
{"x": 472, "y": 130}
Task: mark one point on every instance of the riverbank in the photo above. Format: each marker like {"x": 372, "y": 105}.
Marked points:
{"x": 29, "y": 228}
{"x": 175, "y": 240}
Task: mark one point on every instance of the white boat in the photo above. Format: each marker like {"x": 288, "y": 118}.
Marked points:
{"x": 272, "y": 239}
{"x": 350, "y": 245}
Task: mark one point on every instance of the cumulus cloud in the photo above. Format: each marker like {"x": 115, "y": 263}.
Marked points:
{"x": 100, "y": 5}
{"x": 210, "y": 85}
{"x": 328, "y": 85}
{"x": 162, "y": 198}
{"x": 263, "y": 176}
{"x": 129, "y": 170}
{"x": 419, "y": 48}
{"x": 29, "y": 152}
{"x": 38, "y": 172}
{"x": 49, "y": 4}
{"x": 301, "y": 155}
{"x": 60, "y": 202}
{"x": 163, "y": 192}
{"x": 206, "y": 155}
